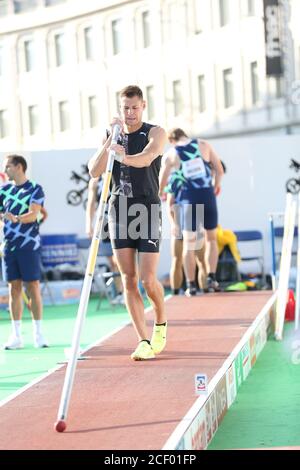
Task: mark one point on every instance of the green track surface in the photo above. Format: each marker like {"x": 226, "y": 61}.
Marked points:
{"x": 18, "y": 368}
{"x": 266, "y": 412}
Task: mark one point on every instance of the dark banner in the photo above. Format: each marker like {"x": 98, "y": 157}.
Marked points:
{"x": 274, "y": 57}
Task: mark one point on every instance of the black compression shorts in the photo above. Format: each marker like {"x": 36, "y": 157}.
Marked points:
{"x": 135, "y": 223}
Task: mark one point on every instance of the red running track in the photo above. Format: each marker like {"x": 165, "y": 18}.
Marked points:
{"x": 119, "y": 404}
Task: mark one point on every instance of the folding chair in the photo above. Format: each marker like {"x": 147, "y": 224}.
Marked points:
{"x": 249, "y": 237}
{"x": 278, "y": 233}
{"x": 45, "y": 284}
{"x": 227, "y": 268}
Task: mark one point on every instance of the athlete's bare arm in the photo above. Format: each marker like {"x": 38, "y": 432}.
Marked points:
{"x": 26, "y": 218}
{"x": 211, "y": 156}
{"x": 98, "y": 161}
{"x": 167, "y": 165}
{"x": 155, "y": 147}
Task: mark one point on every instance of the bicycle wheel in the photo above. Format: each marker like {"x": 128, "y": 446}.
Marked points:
{"x": 74, "y": 198}
{"x": 293, "y": 186}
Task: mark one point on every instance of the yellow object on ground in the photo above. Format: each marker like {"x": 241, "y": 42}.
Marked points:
{"x": 239, "y": 286}
{"x": 227, "y": 237}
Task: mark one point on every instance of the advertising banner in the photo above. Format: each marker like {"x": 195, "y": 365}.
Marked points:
{"x": 273, "y": 39}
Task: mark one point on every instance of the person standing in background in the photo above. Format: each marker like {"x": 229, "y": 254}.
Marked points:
{"x": 21, "y": 201}
{"x": 192, "y": 164}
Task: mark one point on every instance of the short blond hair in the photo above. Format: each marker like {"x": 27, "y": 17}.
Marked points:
{"x": 175, "y": 134}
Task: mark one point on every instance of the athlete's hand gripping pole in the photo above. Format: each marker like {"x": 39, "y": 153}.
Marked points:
{"x": 60, "y": 424}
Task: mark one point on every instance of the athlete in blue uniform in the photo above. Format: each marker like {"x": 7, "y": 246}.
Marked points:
{"x": 21, "y": 201}
{"x": 196, "y": 173}
{"x": 134, "y": 214}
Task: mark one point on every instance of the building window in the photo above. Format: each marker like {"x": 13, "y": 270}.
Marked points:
{"x": 88, "y": 43}
{"x": 198, "y": 16}
{"x": 228, "y": 88}
{"x": 254, "y": 83}
{"x": 3, "y": 123}
{"x": 59, "y": 43}
{"x": 201, "y": 91}
{"x": 117, "y": 98}
{"x": 150, "y": 101}
{"x": 146, "y": 29}
{"x": 64, "y": 116}
{"x": 278, "y": 87}
{"x": 173, "y": 20}
{"x": 29, "y": 55}
{"x": 93, "y": 111}
{"x": 177, "y": 97}
{"x": 250, "y": 7}
{"x": 4, "y": 7}
{"x": 224, "y": 12}
{"x": 49, "y": 3}
{"x": 21, "y": 6}
{"x": 117, "y": 27}
{"x": 1, "y": 60}
{"x": 33, "y": 119}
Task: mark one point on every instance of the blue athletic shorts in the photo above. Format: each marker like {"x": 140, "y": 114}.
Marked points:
{"x": 21, "y": 264}
{"x": 200, "y": 204}
{"x": 105, "y": 248}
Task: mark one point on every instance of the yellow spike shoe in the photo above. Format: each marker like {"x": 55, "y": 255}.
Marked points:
{"x": 143, "y": 352}
{"x": 159, "y": 338}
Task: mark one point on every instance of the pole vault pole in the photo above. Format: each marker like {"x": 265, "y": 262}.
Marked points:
{"x": 60, "y": 424}
{"x": 273, "y": 251}
{"x": 297, "y": 315}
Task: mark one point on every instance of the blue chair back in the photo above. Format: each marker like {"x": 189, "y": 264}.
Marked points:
{"x": 83, "y": 243}
{"x": 278, "y": 232}
{"x": 248, "y": 235}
